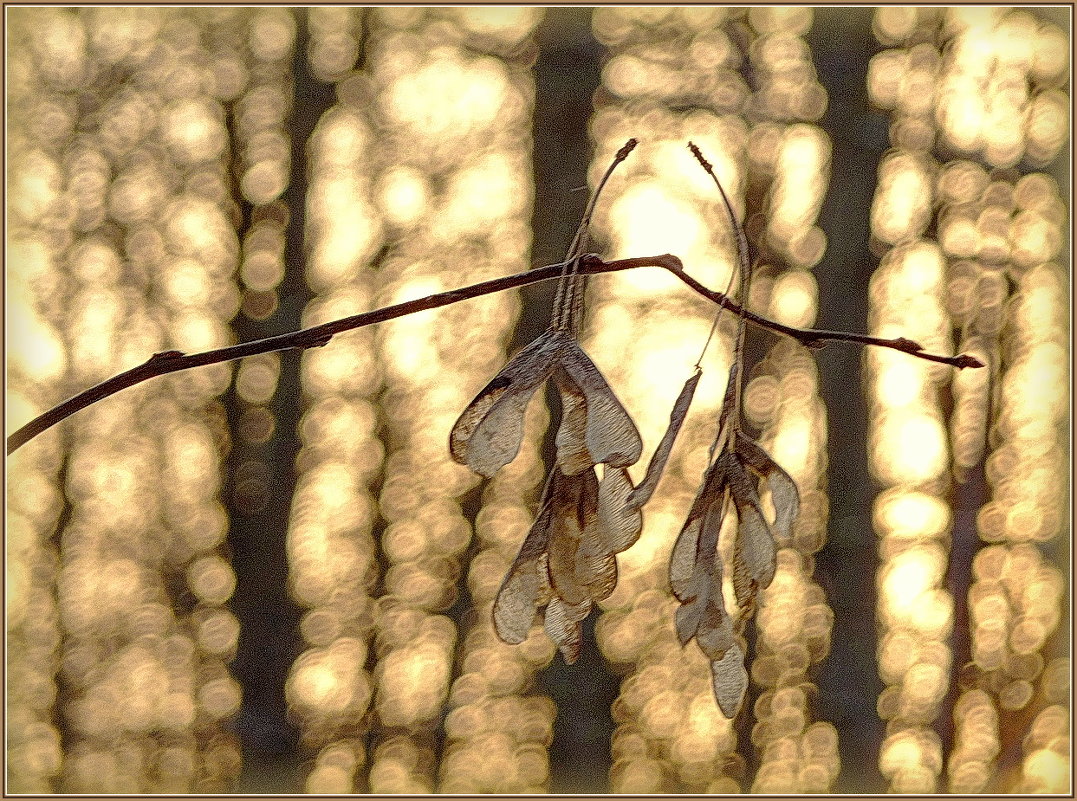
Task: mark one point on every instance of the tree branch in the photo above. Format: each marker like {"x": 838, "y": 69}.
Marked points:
{"x": 172, "y": 361}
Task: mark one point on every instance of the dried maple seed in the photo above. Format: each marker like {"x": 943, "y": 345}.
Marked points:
{"x": 642, "y": 493}
{"x": 489, "y": 432}
{"x": 568, "y": 560}
{"x": 731, "y": 481}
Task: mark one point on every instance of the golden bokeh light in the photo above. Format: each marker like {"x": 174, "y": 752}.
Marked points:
{"x": 416, "y": 199}
{"x": 132, "y": 673}
{"x": 186, "y": 178}
{"x": 670, "y": 736}
{"x": 994, "y": 104}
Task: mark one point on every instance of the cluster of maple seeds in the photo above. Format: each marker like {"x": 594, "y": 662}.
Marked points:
{"x": 567, "y": 561}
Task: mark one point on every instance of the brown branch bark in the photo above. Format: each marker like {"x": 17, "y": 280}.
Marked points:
{"x": 172, "y": 361}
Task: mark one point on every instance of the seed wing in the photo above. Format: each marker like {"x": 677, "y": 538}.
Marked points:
{"x": 754, "y": 552}
{"x": 683, "y": 560}
{"x": 783, "y": 490}
{"x": 682, "y": 563}
{"x": 596, "y": 565}
{"x": 714, "y": 631}
{"x": 571, "y": 440}
{"x": 619, "y": 521}
{"x": 575, "y": 511}
{"x": 611, "y": 436}
{"x": 488, "y": 433}
{"x": 702, "y": 612}
{"x": 562, "y": 624}
{"x": 715, "y": 634}
{"x": 729, "y": 680}
{"x": 526, "y": 586}
{"x": 603, "y": 577}
{"x": 643, "y": 492}
{"x": 518, "y": 600}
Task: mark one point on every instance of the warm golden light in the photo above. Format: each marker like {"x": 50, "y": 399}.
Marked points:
{"x": 447, "y": 96}
{"x": 123, "y": 249}
{"x": 1046, "y": 771}
{"x": 446, "y": 139}
{"x": 988, "y": 102}
{"x": 666, "y": 195}
{"x": 183, "y": 178}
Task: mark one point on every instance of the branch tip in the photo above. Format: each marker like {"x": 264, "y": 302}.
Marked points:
{"x": 699, "y": 156}
{"x": 626, "y": 148}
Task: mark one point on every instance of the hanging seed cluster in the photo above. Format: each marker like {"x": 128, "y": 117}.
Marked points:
{"x": 568, "y": 560}
{"x": 730, "y": 483}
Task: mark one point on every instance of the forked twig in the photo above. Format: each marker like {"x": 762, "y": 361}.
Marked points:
{"x": 172, "y": 361}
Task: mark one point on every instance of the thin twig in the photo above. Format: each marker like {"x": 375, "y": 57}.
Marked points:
{"x": 172, "y": 361}
{"x": 814, "y": 338}
{"x": 745, "y": 262}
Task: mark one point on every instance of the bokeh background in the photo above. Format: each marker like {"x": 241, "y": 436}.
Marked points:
{"x": 268, "y": 576}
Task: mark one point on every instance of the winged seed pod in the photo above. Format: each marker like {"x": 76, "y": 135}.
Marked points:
{"x": 641, "y": 494}
{"x": 568, "y": 560}
{"x": 731, "y": 482}
{"x": 595, "y": 428}
{"x": 696, "y": 571}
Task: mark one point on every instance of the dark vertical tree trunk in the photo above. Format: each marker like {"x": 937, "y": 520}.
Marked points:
{"x": 567, "y": 73}
{"x": 849, "y": 684}
{"x": 968, "y": 498}
{"x": 269, "y": 638}
{"x": 65, "y": 693}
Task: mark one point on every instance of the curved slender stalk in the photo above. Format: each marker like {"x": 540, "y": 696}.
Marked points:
{"x": 172, "y": 361}
{"x": 568, "y": 302}
{"x": 745, "y": 261}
